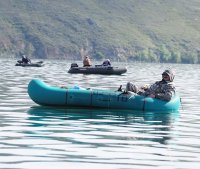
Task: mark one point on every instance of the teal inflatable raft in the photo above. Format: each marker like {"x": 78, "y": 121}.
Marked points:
{"x": 46, "y": 95}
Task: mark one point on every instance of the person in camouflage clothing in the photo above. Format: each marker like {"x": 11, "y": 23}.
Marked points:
{"x": 163, "y": 89}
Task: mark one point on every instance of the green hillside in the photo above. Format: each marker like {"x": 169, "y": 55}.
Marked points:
{"x": 144, "y": 30}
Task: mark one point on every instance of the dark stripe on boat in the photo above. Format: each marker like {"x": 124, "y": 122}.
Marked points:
{"x": 144, "y": 104}
{"x": 91, "y": 98}
{"x": 66, "y": 96}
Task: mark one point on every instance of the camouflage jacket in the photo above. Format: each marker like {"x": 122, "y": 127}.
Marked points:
{"x": 161, "y": 89}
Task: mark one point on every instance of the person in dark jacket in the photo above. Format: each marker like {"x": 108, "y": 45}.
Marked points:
{"x": 25, "y": 59}
{"x": 106, "y": 62}
{"x": 163, "y": 89}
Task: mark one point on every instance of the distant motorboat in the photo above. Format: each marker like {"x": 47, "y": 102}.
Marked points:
{"x": 97, "y": 69}
{"x": 34, "y": 64}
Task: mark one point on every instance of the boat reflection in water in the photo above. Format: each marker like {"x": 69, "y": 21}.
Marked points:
{"x": 108, "y": 124}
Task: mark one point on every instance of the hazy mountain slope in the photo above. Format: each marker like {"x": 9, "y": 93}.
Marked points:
{"x": 151, "y": 30}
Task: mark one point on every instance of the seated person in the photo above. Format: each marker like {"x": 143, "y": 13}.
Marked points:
{"x": 163, "y": 89}
{"x": 87, "y": 61}
{"x": 106, "y": 62}
{"x": 25, "y": 59}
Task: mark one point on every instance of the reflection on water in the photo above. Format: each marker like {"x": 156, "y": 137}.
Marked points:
{"x": 155, "y": 125}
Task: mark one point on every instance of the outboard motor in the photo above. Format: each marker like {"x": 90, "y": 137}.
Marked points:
{"x": 74, "y": 65}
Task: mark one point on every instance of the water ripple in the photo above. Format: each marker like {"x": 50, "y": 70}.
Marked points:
{"x": 32, "y": 136}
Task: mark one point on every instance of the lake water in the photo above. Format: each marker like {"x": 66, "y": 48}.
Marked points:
{"x": 37, "y": 137}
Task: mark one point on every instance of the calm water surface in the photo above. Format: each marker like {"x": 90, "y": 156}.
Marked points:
{"x": 37, "y": 137}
